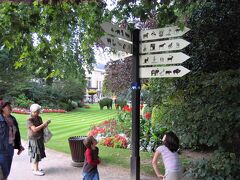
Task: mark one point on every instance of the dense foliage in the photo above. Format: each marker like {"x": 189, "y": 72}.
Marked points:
{"x": 223, "y": 165}
{"x": 203, "y": 106}
{"x": 207, "y": 99}
{"x": 118, "y": 76}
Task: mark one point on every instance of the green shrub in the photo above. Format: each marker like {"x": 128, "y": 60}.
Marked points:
{"x": 209, "y": 113}
{"x": 124, "y": 122}
{"x": 80, "y": 104}
{"x": 223, "y": 165}
{"x": 121, "y": 103}
{"x": 74, "y": 104}
{"x": 23, "y": 101}
{"x": 105, "y": 102}
{"x": 157, "y": 114}
{"x": 64, "y": 105}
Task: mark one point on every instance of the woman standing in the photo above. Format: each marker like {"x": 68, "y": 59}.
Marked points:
{"x": 36, "y": 148}
{"x": 9, "y": 138}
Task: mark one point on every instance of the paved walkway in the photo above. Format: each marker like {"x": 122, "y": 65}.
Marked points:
{"x": 58, "y": 167}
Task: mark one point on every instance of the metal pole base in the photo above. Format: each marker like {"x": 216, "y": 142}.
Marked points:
{"x": 135, "y": 168}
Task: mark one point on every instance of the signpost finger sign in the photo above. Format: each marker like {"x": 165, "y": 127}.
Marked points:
{"x": 160, "y": 46}
{"x": 166, "y": 58}
{"x": 161, "y": 72}
{"x": 117, "y": 44}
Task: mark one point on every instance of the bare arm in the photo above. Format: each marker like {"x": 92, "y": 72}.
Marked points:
{"x": 154, "y": 164}
{"x": 38, "y": 128}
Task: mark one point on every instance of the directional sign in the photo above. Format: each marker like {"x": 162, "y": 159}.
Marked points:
{"x": 168, "y": 58}
{"x": 160, "y": 46}
{"x": 117, "y": 44}
{"x": 119, "y": 55}
{"x": 161, "y": 33}
{"x": 161, "y": 72}
{"x": 116, "y": 31}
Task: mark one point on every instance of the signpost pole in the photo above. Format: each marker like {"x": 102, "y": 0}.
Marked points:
{"x": 135, "y": 158}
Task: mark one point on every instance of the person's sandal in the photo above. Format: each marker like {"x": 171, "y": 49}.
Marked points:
{"x": 38, "y": 173}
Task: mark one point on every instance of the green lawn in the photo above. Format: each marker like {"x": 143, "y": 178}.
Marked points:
{"x": 78, "y": 123}
{"x": 65, "y": 125}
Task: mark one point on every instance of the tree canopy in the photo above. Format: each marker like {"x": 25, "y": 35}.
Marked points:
{"x": 51, "y": 40}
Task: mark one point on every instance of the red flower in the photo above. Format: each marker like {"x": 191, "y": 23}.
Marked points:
{"x": 108, "y": 141}
{"x": 127, "y": 108}
{"x": 122, "y": 140}
{"x": 147, "y": 115}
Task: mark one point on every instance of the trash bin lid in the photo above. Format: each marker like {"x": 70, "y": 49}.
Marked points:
{"x": 77, "y": 138}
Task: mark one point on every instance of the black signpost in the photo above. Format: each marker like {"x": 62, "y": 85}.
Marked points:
{"x": 136, "y": 87}
{"x": 147, "y": 72}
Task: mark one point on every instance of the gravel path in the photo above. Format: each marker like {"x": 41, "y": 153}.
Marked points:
{"x": 58, "y": 167}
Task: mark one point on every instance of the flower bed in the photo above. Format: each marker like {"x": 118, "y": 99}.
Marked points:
{"x": 53, "y": 111}
{"x": 18, "y": 110}
{"x": 116, "y": 141}
{"x": 106, "y": 134}
{"x": 116, "y": 133}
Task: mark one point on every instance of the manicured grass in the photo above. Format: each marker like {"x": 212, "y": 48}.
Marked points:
{"x": 78, "y": 123}
{"x": 65, "y": 125}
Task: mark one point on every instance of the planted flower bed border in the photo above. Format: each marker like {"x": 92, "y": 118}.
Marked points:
{"x": 19, "y": 110}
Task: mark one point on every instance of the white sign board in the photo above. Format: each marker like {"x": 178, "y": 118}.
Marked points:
{"x": 119, "y": 55}
{"x": 116, "y": 31}
{"x": 161, "y": 72}
{"x": 160, "y": 46}
{"x": 161, "y": 33}
{"x": 117, "y": 44}
{"x": 168, "y": 58}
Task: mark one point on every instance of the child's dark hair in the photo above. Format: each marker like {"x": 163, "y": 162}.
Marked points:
{"x": 171, "y": 141}
{"x": 89, "y": 141}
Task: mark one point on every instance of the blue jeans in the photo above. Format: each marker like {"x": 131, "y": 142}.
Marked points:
{"x": 6, "y": 161}
{"x": 94, "y": 175}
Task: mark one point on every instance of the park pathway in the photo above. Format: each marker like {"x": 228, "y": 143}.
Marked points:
{"x": 58, "y": 167}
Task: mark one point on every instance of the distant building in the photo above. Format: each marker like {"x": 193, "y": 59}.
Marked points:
{"x": 95, "y": 81}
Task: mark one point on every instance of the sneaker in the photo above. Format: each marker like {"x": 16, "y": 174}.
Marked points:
{"x": 38, "y": 173}
{"x": 40, "y": 170}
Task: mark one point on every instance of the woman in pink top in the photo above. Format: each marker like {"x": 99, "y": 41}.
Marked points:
{"x": 170, "y": 157}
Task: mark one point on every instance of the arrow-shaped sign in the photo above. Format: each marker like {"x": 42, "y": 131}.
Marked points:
{"x": 160, "y": 46}
{"x": 161, "y": 33}
{"x": 119, "y": 55}
{"x": 116, "y": 31}
{"x": 168, "y": 58}
{"x": 161, "y": 72}
{"x": 117, "y": 44}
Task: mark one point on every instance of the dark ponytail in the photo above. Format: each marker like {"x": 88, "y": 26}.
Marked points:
{"x": 171, "y": 141}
